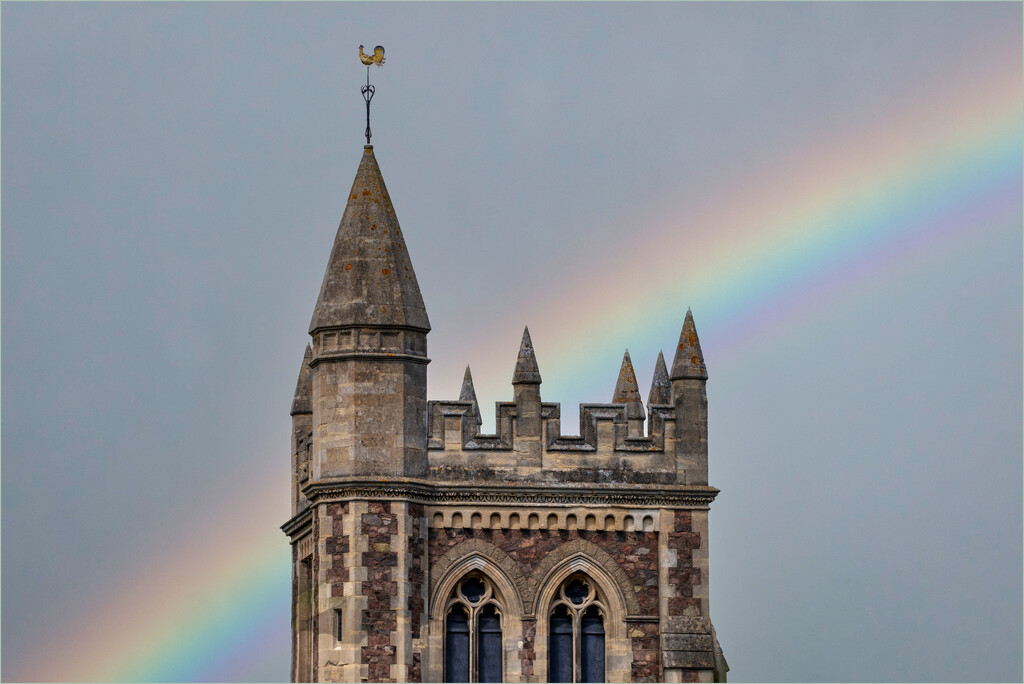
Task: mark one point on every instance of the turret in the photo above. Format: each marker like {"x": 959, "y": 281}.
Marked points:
{"x": 526, "y": 395}
{"x": 369, "y": 328}
{"x": 689, "y": 396}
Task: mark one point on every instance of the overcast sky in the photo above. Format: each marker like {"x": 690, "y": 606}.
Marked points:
{"x": 833, "y": 188}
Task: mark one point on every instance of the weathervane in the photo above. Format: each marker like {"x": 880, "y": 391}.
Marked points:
{"x": 368, "y": 90}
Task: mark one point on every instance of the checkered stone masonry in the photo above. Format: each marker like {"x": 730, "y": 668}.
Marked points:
{"x": 684, "y": 575}
{"x": 646, "y": 652}
{"x": 379, "y": 619}
{"x": 417, "y": 583}
{"x": 335, "y": 546}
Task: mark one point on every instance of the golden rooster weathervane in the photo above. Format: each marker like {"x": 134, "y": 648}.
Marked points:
{"x": 377, "y": 57}
{"x": 368, "y": 90}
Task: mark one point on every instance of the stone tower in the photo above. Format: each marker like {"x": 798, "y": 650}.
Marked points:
{"x": 424, "y": 550}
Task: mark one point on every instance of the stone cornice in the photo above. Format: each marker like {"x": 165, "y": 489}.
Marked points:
{"x": 375, "y": 356}
{"x": 444, "y": 493}
{"x": 296, "y": 524}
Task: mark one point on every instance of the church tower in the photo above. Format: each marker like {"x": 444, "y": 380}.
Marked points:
{"x": 424, "y": 550}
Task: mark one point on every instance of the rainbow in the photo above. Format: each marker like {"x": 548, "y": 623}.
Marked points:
{"x": 836, "y": 212}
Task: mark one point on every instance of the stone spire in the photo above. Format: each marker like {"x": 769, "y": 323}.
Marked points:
{"x": 303, "y": 401}
{"x": 689, "y": 361}
{"x": 661, "y": 387}
{"x": 369, "y": 278}
{"x": 526, "y": 372}
{"x": 469, "y": 394}
{"x": 626, "y": 389}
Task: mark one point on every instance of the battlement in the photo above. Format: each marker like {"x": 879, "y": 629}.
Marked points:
{"x": 612, "y": 447}
{"x": 604, "y": 451}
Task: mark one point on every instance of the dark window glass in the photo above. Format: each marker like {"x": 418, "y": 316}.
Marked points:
{"x": 337, "y": 624}
{"x": 560, "y": 646}
{"x": 576, "y": 591}
{"x": 456, "y": 646}
{"x": 592, "y": 646}
{"x": 473, "y": 589}
{"x": 488, "y": 645}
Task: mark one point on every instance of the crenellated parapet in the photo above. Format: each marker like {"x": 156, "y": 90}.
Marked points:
{"x": 613, "y": 446}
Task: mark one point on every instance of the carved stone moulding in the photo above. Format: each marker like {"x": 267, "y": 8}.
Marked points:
{"x": 455, "y": 493}
{"x": 545, "y": 518}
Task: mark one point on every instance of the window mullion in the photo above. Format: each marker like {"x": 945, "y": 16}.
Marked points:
{"x": 577, "y": 650}
{"x": 473, "y": 677}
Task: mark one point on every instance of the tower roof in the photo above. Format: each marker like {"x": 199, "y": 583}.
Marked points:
{"x": 689, "y": 360}
{"x": 369, "y": 278}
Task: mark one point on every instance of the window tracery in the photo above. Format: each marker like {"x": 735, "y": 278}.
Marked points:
{"x": 576, "y": 634}
{"x": 473, "y": 632}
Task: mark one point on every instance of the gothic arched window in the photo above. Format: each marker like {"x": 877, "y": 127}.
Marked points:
{"x": 576, "y": 633}
{"x": 472, "y": 633}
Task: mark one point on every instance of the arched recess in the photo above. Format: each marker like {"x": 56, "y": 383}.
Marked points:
{"x": 470, "y": 556}
{"x": 581, "y": 558}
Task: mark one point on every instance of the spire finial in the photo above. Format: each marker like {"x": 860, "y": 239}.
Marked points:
{"x": 689, "y": 360}
{"x": 626, "y": 390}
{"x": 526, "y": 371}
{"x": 661, "y": 386}
{"x": 368, "y": 90}
{"x": 468, "y": 393}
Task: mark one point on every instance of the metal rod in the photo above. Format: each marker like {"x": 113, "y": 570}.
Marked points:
{"x": 367, "y": 91}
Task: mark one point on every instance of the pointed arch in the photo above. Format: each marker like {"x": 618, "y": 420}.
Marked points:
{"x": 470, "y": 557}
{"x": 477, "y": 554}
{"x": 588, "y": 557}
{"x": 584, "y": 559}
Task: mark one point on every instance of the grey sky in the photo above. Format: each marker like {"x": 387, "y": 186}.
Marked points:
{"x": 173, "y": 175}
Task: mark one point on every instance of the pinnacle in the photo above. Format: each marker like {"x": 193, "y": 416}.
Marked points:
{"x": 469, "y": 394}
{"x": 689, "y": 360}
{"x": 303, "y": 401}
{"x": 369, "y": 278}
{"x": 661, "y": 386}
{"x": 526, "y": 371}
{"x": 626, "y": 389}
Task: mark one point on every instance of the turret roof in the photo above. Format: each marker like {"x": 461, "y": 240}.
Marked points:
{"x": 369, "y": 278}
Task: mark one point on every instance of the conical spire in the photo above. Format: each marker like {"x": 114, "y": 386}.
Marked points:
{"x": 303, "y": 401}
{"x": 689, "y": 361}
{"x": 369, "y": 278}
{"x": 469, "y": 394}
{"x": 661, "y": 386}
{"x": 626, "y": 389}
{"x": 526, "y": 365}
